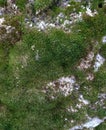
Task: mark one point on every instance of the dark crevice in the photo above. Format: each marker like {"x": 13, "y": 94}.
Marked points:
{"x": 100, "y": 5}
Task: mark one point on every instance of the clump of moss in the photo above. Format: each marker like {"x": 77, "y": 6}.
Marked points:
{"x": 101, "y": 126}
{"x": 57, "y": 49}
{"x": 44, "y": 5}
{"x": 75, "y": 7}
{"x": 92, "y": 28}
{"x": 3, "y": 2}
{"x": 97, "y": 4}
{"x": 100, "y": 79}
{"x": 103, "y": 50}
{"x": 21, "y": 4}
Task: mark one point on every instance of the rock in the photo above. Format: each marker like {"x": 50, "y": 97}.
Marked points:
{"x": 1, "y": 11}
{"x": 77, "y": 128}
{"x": 104, "y": 40}
{"x": 84, "y": 101}
{"x": 86, "y": 63}
{"x": 64, "y": 85}
{"x": 93, "y": 123}
{"x": 1, "y": 21}
{"x": 90, "y": 77}
{"x": 90, "y": 13}
{"x": 51, "y": 25}
{"x": 99, "y": 61}
{"x": 41, "y": 25}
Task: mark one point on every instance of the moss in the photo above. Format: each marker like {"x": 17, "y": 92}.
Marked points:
{"x": 101, "y": 126}
{"x": 42, "y": 4}
{"x": 21, "y": 4}
{"x": 97, "y": 4}
{"x": 34, "y": 110}
{"x": 75, "y": 7}
{"x": 79, "y": 116}
{"x": 104, "y": 8}
{"x": 31, "y": 107}
{"x": 103, "y": 50}
{"x": 23, "y": 106}
{"x": 92, "y": 28}
{"x": 3, "y": 2}
{"x": 58, "y": 53}
{"x": 100, "y": 80}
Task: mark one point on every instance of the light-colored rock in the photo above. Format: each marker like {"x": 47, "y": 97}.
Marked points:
{"x": 1, "y": 21}
{"x": 51, "y": 25}
{"x": 90, "y": 124}
{"x": 1, "y": 11}
{"x": 84, "y": 101}
{"x": 41, "y": 25}
{"x": 77, "y": 128}
{"x": 93, "y": 123}
{"x": 99, "y": 61}
{"x": 71, "y": 109}
{"x": 66, "y": 22}
{"x": 104, "y": 40}
{"x": 33, "y": 47}
{"x": 86, "y": 63}
{"x": 9, "y": 29}
{"x": 61, "y": 15}
{"x": 64, "y": 85}
{"x": 90, "y": 77}
{"x": 90, "y": 13}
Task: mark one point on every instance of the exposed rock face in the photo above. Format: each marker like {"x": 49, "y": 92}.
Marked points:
{"x": 92, "y": 123}
{"x": 64, "y": 85}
